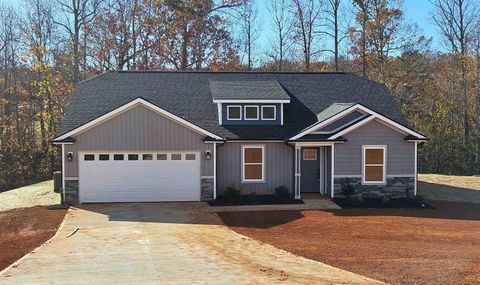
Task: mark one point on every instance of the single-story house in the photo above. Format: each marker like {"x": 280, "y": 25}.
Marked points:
{"x": 144, "y": 136}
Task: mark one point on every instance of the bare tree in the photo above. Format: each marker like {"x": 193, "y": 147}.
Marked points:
{"x": 333, "y": 27}
{"x": 249, "y": 30}
{"x": 363, "y": 7}
{"x": 307, "y": 14}
{"x": 457, "y": 21}
{"x": 282, "y": 27}
{"x": 77, "y": 13}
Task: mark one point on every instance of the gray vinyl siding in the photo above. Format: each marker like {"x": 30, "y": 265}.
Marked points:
{"x": 138, "y": 129}
{"x": 400, "y": 153}
{"x": 277, "y": 120}
{"x": 279, "y": 167}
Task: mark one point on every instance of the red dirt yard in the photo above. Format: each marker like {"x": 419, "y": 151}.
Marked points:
{"x": 24, "y": 229}
{"x": 398, "y": 246}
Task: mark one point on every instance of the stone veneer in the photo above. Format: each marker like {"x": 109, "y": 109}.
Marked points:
{"x": 396, "y": 187}
{"x": 206, "y": 193}
{"x": 71, "y": 192}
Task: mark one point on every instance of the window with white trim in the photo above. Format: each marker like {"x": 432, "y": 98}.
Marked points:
{"x": 251, "y": 112}
{"x": 253, "y": 163}
{"x": 374, "y": 161}
{"x": 269, "y": 112}
{"x": 234, "y": 113}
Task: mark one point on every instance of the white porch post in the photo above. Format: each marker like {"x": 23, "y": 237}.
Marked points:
{"x": 333, "y": 171}
{"x": 63, "y": 172}
{"x": 297, "y": 172}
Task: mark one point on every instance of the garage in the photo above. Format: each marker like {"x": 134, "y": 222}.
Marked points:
{"x": 128, "y": 176}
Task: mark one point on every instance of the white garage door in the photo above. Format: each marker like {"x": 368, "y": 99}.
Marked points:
{"x": 139, "y": 176}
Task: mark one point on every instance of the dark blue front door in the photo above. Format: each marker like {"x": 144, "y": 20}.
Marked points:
{"x": 310, "y": 170}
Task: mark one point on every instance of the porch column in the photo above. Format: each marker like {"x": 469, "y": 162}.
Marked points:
{"x": 297, "y": 172}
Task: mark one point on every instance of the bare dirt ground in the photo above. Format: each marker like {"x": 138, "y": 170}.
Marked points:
{"x": 449, "y": 187}
{"x": 22, "y": 230}
{"x": 397, "y": 246}
{"x": 29, "y": 196}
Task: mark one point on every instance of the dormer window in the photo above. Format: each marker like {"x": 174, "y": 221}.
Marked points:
{"x": 249, "y": 103}
{"x": 234, "y": 112}
{"x": 251, "y": 113}
{"x": 269, "y": 112}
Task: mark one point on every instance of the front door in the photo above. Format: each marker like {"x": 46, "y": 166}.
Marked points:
{"x": 310, "y": 170}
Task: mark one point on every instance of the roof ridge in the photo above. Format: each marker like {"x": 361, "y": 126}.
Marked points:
{"x": 235, "y": 72}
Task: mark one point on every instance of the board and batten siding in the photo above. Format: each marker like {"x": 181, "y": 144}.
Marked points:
{"x": 138, "y": 129}
{"x": 278, "y": 167}
{"x": 400, "y": 153}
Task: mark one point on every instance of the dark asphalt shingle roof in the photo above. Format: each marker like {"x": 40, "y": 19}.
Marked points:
{"x": 188, "y": 95}
{"x": 248, "y": 90}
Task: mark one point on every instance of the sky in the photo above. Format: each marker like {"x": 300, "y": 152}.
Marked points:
{"x": 416, "y": 11}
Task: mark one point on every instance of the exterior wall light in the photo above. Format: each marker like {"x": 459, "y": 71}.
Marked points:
{"x": 69, "y": 156}
{"x": 208, "y": 154}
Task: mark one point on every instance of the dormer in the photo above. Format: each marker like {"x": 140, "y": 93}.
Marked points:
{"x": 249, "y": 102}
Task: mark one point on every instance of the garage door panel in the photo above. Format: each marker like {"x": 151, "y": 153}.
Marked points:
{"x": 140, "y": 180}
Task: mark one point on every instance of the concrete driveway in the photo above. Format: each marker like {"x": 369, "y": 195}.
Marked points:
{"x": 162, "y": 243}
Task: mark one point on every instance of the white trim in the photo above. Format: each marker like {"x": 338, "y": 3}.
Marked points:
{"x": 130, "y": 105}
{"x": 251, "y": 101}
{"x": 63, "y": 172}
{"x": 263, "y": 164}
{"x": 61, "y": 143}
{"x": 314, "y": 144}
{"x": 348, "y": 176}
{"x": 206, "y": 177}
{"x": 416, "y": 172}
{"x": 71, "y": 178}
{"x": 274, "y": 112}
{"x": 400, "y": 175}
{"x": 321, "y": 124}
{"x": 245, "y": 112}
{"x": 332, "y": 191}
{"x": 298, "y": 175}
{"x": 228, "y": 112}
{"x": 214, "y": 171}
{"x": 384, "y": 165}
{"x": 281, "y": 114}
{"x": 220, "y": 115}
{"x": 310, "y": 149}
{"x": 352, "y": 127}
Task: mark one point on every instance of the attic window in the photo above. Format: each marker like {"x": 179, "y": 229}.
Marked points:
{"x": 251, "y": 112}
{"x": 268, "y": 112}
{"x": 234, "y": 112}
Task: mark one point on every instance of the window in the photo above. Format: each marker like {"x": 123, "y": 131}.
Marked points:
{"x": 251, "y": 112}
{"x": 104, "y": 157}
{"x": 374, "y": 164}
{"x": 234, "y": 112}
{"x": 162, "y": 156}
{"x": 88, "y": 157}
{"x": 133, "y": 157}
{"x": 269, "y": 113}
{"x": 253, "y": 164}
{"x": 310, "y": 154}
{"x": 147, "y": 156}
{"x": 190, "y": 156}
{"x": 176, "y": 156}
{"x": 118, "y": 157}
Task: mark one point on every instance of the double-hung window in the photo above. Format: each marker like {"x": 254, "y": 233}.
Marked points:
{"x": 374, "y": 161}
{"x": 253, "y": 163}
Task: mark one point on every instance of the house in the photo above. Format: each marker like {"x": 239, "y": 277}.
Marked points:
{"x": 186, "y": 136}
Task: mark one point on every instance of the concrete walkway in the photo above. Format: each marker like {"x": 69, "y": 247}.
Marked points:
{"x": 310, "y": 204}
{"x": 169, "y": 243}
